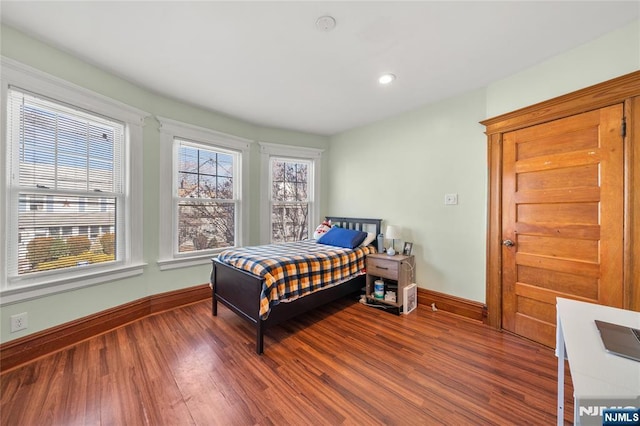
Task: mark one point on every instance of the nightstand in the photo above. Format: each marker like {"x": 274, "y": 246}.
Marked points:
{"x": 396, "y": 272}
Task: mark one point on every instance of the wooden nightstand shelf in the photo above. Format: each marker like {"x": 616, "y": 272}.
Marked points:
{"x": 397, "y": 272}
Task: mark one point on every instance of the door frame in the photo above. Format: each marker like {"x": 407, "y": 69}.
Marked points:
{"x": 621, "y": 90}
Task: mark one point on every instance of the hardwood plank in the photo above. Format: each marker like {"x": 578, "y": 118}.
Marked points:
{"x": 32, "y": 346}
{"x": 344, "y": 363}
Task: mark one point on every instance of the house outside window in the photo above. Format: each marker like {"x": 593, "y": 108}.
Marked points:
{"x": 60, "y": 152}
{"x": 66, "y": 149}
{"x": 290, "y": 192}
{"x": 203, "y": 207}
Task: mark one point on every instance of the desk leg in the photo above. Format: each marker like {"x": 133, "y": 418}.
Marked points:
{"x": 560, "y": 353}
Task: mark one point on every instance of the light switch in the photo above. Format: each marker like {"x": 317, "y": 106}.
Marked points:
{"x": 450, "y": 199}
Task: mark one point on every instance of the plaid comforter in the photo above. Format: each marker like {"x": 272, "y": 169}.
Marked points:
{"x": 292, "y": 270}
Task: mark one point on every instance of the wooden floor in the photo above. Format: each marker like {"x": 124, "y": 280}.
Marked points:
{"x": 344, "y": 363}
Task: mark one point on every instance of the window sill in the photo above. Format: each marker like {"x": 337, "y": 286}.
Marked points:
{"x": 14, "y": 295}
{"x": 185, "y": 262}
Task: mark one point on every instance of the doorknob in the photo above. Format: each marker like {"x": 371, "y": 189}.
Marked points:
{"x": 508, "y": 243}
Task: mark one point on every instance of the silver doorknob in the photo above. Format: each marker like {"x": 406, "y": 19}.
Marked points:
{"x": 508, "y": 243}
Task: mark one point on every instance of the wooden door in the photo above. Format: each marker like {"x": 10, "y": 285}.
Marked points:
{"x": 562, "y": 209}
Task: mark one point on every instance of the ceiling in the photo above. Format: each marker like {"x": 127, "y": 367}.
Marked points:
{"x": 267, "y": 63}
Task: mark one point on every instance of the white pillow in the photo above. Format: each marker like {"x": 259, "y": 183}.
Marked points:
{"x": 322, "y": 229}
{"x": 370, "y": 238}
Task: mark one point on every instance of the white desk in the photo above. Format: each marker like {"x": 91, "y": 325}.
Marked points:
{"x": 596, "y": 374}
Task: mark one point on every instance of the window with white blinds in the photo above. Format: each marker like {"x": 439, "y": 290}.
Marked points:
{"x": 67, "y": 186}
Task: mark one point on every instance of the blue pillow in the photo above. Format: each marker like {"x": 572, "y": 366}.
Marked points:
{"x": 342, "y": 237}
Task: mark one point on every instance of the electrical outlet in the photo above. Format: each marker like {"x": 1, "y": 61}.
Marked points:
{"x": 450, "y": 199}
{"x": 19, "y": 322}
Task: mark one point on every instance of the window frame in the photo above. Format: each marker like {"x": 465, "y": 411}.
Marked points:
{"x": 170, "y": 132}
{"x": 268, "y": 151}
{"x": 15, "y": 289}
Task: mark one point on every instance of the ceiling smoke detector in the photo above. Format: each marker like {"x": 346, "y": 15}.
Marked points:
{"x": 326, "y": 23}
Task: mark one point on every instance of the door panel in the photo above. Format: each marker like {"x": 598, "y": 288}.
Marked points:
{"x": 566, "y": 248}
{"x": 567, "y": 177}
{"x": 563, "y": 208}
{"x": 569, "y": 141}
{"x": 562, "y": 282}
{"x": 557, "y": 213}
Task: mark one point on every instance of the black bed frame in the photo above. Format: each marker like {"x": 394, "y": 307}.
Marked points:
{"x": 240, "y": 291}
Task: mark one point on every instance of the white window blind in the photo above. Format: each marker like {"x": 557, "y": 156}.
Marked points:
{"x": 66, "y": 174}
{"x": 206, "y": 197}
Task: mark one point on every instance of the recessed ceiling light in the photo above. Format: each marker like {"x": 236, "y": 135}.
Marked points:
{"x": 325, "y": 23}
{"x": 386, "y": 78}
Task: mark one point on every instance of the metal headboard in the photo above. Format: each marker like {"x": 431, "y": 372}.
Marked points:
{"x": 356, "y": 223}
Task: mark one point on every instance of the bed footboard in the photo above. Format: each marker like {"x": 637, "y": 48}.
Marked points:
{"x": 240, "y": 291}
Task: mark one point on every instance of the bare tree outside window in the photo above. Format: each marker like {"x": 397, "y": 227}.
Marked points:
{"x": 207, "y": 202}
{"x": 290, "y": 200}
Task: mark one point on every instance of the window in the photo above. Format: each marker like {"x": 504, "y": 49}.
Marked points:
{"x": 290, "y": 199}
{"x": 74, "y": 158}
{"x": 202, "y": 210}
{"x": 206, "y": 197}
{"x": 291, "y": 177}
{"x": 60, "y": 152}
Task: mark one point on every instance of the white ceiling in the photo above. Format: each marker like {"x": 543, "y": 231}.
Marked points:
{"x": 266, "y": 62}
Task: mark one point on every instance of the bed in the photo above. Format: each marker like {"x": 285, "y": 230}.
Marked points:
{"x": 242, "y": 291}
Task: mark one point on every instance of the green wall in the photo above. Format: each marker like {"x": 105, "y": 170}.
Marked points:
{"x": 63, "y": 307}
{"x": 602, "y": 59}
{"x": 399, "y": 169}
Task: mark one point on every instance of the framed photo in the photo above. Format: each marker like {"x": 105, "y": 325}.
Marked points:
{"x": 407, "y": 248}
